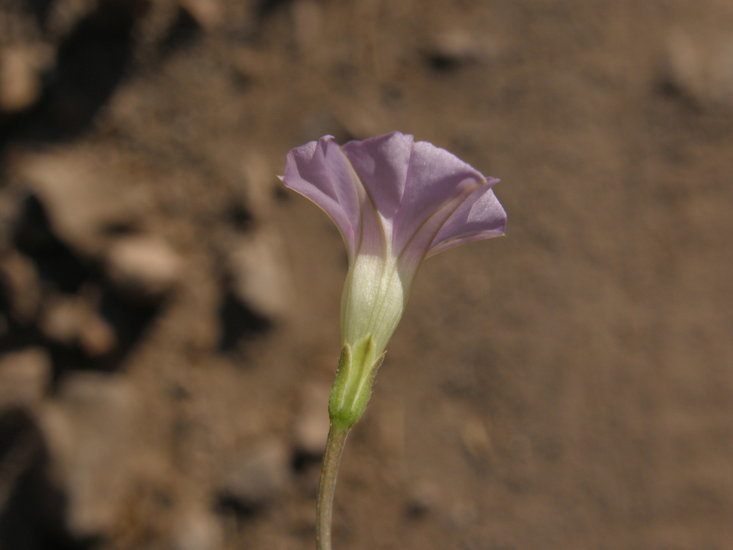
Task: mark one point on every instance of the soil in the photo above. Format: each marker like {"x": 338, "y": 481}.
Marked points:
{"x": 169, "y": 319}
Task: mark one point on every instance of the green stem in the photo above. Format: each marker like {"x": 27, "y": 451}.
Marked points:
{"x": 327, "y": 487}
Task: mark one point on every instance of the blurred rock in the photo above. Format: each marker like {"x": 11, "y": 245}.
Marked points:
{"x": 256, "y": 478}
{"x": 700, "y": 69}
{"x": 143, "y": 267}
{"x": 422, "y": 500}
{"x": 20, "y": 289}
{"x": 311, "y": 423}
{"x": 62, "y": 319}
{"x": 475, "y": 439}
{"x": 97, "y": 337}
{"x": 258, "y": 275}
{"x": 90, "y": 432}
{"x": 24, "y": 377}
{"x": 20, "y": 84}
{"x": 207, "y": 13}
{"x": 71, "y": 322}
{"x": 452, "y": 49}
{"x": 79, "y": 195}
{"x": 197, "y": 529}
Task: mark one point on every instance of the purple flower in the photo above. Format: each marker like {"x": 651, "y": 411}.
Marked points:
{"x": 395, "y": 201}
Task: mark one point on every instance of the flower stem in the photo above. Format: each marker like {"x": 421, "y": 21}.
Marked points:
{"x": 327, "y": 487}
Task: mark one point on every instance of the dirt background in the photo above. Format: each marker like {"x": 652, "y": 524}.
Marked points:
{"x": 169, "y": 315}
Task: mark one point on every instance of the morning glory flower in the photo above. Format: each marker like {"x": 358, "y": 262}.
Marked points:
{"x": 395, "y": 201}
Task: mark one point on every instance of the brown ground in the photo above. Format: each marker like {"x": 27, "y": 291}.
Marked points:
{"x": 169, "y": 317}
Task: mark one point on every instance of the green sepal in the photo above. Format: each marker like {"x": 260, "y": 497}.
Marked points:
{"x": 353, "y": 385}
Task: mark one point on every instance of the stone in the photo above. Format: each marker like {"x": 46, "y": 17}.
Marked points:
{"x": 452, "y": 49}
{"x": 196, "y": 529}
{"x": 97, "y": 337}
{"x": 700, "y": 69}
{"x": 256, "y": 478}
{"x": 207, "y": 13}
{"x": 24, "y": 377}
{"x": 72, "y": 322}
{"x": 90, "y": 433}
{"x": 143, "y": 267}
{"x": 81, "y": 196}
{"x": 475, "y": 439}
{"x": 258, "y": 275}
{"x": 423, "y": 499}
{"x": 62, "y": 319}
{"x": 19, "y": 287}
{"x": 20, "y": 83}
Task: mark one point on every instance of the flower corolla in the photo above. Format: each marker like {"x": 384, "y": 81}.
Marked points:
{"x": 395, "y": 201}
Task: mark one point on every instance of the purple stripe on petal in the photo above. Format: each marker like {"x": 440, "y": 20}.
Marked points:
{"x": 480, "y": 216}
{"x": 320, "y": 171}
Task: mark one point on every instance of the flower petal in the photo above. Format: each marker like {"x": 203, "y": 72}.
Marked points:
{"x": 381, "y": 163}
{"x": 320, "y": 171}
{"x": 435, "y": 177}
{"x": 480, "y": 216}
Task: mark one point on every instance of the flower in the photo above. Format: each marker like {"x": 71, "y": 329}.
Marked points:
{"x": 395, "y": 201}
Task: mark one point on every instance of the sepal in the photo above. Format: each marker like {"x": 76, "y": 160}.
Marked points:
{"x": 353, "y": 385}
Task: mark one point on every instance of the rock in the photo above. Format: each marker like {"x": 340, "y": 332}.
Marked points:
{"x": 255, "y": 479}
{"x": 207, "y": 13}
{"x": 258, "y": 275}
{"x": 90, "y": 431}
{"x": 700, "y": 69}
{"x": 452, "y": 49}
{"x": 422, "y": 500}
{"x": 24, "y": 377}
{"x": 62, "y": 319}
{"x": 311, "y": 425}
{"x": 20, "y": 83}
{"x": 97, "y": 337}
{"x": 143, "y": 267}
{"x": 71, "y": 322}
{"x": 196, "y": 529}
{"x": 475, "y": 439}
{"x": 19, "y": 287}
{"x": 80, "y": 195}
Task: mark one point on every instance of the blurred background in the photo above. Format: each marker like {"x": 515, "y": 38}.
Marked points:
{"x": 169, "y": 315}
